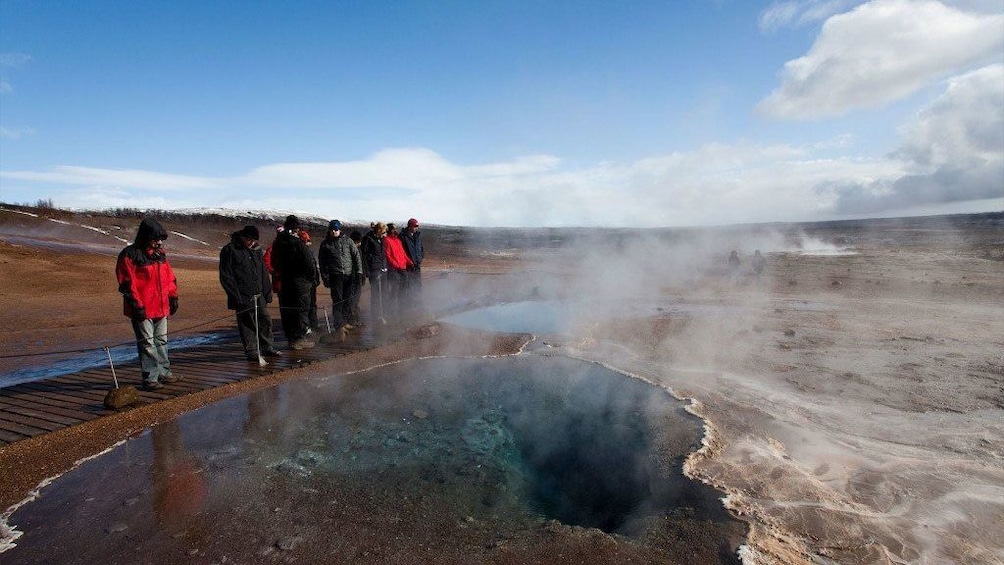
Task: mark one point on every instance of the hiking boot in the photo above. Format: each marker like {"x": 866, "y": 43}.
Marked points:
{"x": 169, "y": 378}
{"x": 152, "y": 385}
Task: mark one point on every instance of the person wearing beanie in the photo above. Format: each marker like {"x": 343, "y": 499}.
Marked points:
{"x": 341, "y": 266}
{"x": 412, "y": 241}
{"x": 312, "y": 311}
{"x": 149, "y": 296}
{"x": 246, "y": 281}
{"x": 293, "y": 262}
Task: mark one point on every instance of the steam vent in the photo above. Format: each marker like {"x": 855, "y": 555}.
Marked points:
{"x": 513, "y": 460}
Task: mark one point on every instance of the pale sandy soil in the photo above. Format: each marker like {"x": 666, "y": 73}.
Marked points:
{"x": 854, "y": 403}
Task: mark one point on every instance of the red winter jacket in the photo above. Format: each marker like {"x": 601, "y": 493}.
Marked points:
{"x": 145, "y": 276}
{"x": 394, "y": 251}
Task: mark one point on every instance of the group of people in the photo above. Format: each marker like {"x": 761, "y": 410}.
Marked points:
{"x": 251, "y": 276}
{"x": 759, "y": 263}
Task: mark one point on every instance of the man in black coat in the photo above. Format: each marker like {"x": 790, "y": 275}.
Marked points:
{"x": 249, "y": 289}
{"x": 413, "y": 246}
{"x": 298, "y": 273}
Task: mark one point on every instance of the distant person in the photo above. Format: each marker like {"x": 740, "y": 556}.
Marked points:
{"x": 149, "y": 296}
{"x": 759, "y": 264}
{"x": 412, "y": 240}
{"x": 398, "y": 264}
{"x": 734, "y": 264}
{"x": 246, "y": 281}
{"x": 340, "y": 264}
{"x": 358, "y": 281}
{"x": 293, "y": 262}
{"x": 312, "y": 323}
{"x": 375, "y": 267}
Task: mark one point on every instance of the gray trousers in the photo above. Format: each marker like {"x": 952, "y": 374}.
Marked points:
{"x": 151, "y": 343}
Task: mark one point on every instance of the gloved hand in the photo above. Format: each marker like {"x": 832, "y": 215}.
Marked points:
{"x": 172, "y": 303}
{"x": 139, "y": 314}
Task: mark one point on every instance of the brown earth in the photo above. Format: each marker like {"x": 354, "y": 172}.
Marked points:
{"x": 854, "y": 402}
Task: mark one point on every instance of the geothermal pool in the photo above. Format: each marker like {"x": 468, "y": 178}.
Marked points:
{"x": 416, "y": 460}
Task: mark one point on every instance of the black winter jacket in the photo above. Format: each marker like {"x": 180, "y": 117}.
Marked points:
{"x": 291, "y": 258}
{"x": 372, "y": 251}
{"x": 243, "y": 273}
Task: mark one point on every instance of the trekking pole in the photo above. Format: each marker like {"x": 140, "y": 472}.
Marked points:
{"x": 257, "y": 341}
{"x": 327, "y": 323}
{"x": 112, "y": 365}
{"x": 380, "y": 278}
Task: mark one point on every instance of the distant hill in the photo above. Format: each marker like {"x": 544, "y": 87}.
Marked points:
{"x": 204, "y": 231}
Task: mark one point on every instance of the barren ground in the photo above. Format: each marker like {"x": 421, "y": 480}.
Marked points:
{"x": 855, "y": 402}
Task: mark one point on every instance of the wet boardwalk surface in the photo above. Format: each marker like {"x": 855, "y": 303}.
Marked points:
{"x": 39, "y": 407}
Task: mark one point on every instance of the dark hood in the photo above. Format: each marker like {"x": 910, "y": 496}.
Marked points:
{"x": 149, "y": 230}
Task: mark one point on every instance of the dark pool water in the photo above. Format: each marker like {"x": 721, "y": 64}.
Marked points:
{"x": 438, "y": 453}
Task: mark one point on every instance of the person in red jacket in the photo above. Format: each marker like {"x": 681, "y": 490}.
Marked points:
{"x": 149, "y": 296}
{"x": 398, "y": 264}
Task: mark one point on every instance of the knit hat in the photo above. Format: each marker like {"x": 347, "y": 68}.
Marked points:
{"x": 250, "y": 232}
{"x": 292, "y": 223}
{"x": 334, "y": 225}
{"x": 413, "y": 223}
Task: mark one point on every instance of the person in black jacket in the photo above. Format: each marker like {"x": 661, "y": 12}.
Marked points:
{"x": 249, "y": 289}
{"x": 411, "y": 237}
{"x": 375, "y": 268}
{"x": 296, "y": 268}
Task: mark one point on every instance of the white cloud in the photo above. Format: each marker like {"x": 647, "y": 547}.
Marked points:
{"x": 14, "y": 59}
{"x": 880, "y": 52}
{"x": 796, "y": 13}
{"x": 14, "y": 133}
{"x": 714, "y": 184}
{"x": 952, "y": 151}
{"x": 11, "y": 60}
{"x": 125, "y": 178}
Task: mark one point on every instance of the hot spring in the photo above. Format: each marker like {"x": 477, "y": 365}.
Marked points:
{"x": 417, "y": 461}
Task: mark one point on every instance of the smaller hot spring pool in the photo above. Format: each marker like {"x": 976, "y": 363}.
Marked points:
{"x": 525, "y": 459}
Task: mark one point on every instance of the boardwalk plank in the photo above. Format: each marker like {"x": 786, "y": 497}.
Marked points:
{"x": 38, "y": 407}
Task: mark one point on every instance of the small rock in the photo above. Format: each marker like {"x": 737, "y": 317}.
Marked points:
{"x": 121, "y": 397}
{"x": 289, "y": 543}
{"x": 420, "y": 414}
{"x": 789, "y": 333}
{"x": 117, "y": 527}
{"x": 835, "y": 283}
{"x": 427, "y": 331}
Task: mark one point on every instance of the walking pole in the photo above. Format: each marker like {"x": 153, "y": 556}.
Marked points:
{"x": 380, "y": 295}
{"x": 112, "y": 365}
{"x": 257, "y": 341}
{"x": 327, "y": 323}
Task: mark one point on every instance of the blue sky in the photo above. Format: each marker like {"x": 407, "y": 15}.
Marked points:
{"x": 508, "y": 113}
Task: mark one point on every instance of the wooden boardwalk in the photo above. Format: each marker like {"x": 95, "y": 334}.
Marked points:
{"x": 42, "y": 406}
